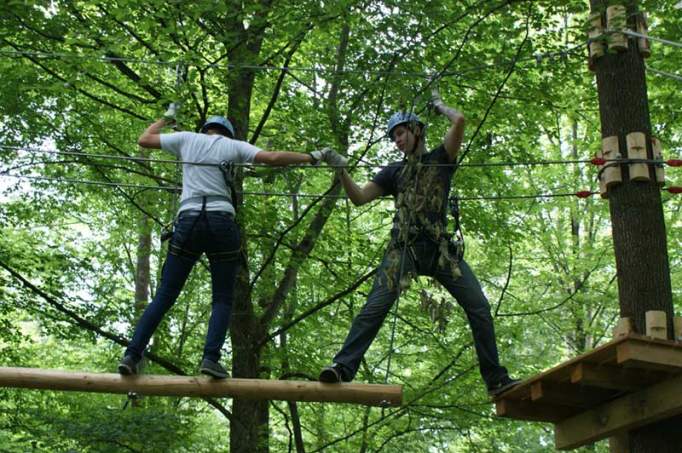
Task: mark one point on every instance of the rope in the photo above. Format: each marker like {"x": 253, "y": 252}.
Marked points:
{"x": 579, "y": 194}
{"x": 665, "y": 74}
{"x": 652, "y": 38}
{"x": 537, "y": 57}
{"x": 593, "y": 161}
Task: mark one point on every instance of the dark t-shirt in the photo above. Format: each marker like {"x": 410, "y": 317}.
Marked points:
{"x": 420, "y": 192}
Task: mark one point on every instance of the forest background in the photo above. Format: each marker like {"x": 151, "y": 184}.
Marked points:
{"x": 82, "y": 210}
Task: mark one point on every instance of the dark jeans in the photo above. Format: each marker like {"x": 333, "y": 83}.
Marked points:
{"x": 423, "y": 260}
{"x": 217, "y": 235}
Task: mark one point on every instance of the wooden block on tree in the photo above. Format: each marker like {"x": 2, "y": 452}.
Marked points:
{"x": 603, "y": 190}
{"x": 650, "y": 355}
{"x": 661, "y": 401}
{"x": 532, "y": 411}
{"x": 623, "y": 328}
{"x": 565, "y": 394}
{"x": 658, "y": 155}
{"x": 677, "y": 327}
{"x": 611, "y": 173}
{"x": 616, "y": 19}
{"x": 596, "y": 44}
{"x": 614, "y": 378}
{"x": 636, "y": 142}
{"x": 656, "y": 324}
{"x": 643, "y": 29}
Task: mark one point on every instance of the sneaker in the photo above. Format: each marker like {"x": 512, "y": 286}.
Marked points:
{"x": 213, "y": 369}
{"x": 334, "y": 374}
{"x": 501, "y": 386}
{"x": 128, "y": 366}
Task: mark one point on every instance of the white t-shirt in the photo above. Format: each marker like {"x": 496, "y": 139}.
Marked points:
{"x": 202, "y": 180}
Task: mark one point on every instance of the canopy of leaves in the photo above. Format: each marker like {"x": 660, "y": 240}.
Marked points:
{"x": 80, "y": 80}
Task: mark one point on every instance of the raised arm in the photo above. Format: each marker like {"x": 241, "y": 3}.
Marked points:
{"x": 150, "y": 138}
{"x": 454, "y": 135}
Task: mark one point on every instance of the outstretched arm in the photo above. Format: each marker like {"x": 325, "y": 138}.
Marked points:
{"x": 453, "y": 137}
{"x": 280, "y": 158}
{"x": 360, "y": 195}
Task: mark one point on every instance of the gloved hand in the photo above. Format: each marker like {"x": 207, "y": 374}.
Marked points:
{"x": 439, "y": 106}
{"x": 334, "y": 159}
{"x": 436, "y": 101}
{"x": 319, "y": 155}
{"x": 172, "y": 111}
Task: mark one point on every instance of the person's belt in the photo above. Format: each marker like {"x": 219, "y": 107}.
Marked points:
{"x": 200, "y": 200}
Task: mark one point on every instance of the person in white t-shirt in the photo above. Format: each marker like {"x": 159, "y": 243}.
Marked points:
{"x": 205, "y": 224}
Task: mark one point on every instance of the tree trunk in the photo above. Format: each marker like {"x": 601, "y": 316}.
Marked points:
{"x": 249, "y": 424}
{"x": 638, "y": 227}
{"x": 142, "y": 267}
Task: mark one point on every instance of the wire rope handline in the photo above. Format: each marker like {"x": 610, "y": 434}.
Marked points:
{"x": 594, "y": 161}
{"x": 537, "y": 57}
{"x": 579, "y": 194}
{"x": 652, "y": 38}
{"x": 669, "y": 75}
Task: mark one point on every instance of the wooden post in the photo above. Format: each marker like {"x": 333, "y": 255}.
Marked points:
{"x": 251, "y": 389}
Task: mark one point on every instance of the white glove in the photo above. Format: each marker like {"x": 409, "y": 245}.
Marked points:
{"x": 436, "y": 100}
{"x": 435, "y": 97}
{"x": 319, "y": 155}
{"x": 334, "y": 159}
{"x": 440, "y": 107}
{"x": 172, "y": 111}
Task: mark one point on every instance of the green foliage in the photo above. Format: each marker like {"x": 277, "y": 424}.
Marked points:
{"x": 88, "y": 76}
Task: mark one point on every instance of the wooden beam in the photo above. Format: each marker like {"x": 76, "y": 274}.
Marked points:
{"x": 611, "y": 377}
{"x": 532, "y": 411}
{"x": 565, "y": 394}
{"x": 256, "y": 389}
{"x": 652, "y": 355}
{"x": 629, "y": 412}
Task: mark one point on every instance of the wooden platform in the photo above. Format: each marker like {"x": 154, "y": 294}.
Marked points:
{"x": 256, "y": 389}
{"x": 621, "y": 385}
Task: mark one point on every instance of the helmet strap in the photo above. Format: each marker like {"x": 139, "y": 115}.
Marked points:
{"x": 419, "y": 140}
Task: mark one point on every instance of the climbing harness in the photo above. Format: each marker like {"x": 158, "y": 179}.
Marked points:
{"x": 228, "y": 170}
{"x": 457, "y": 237}
{"x": 229, "y": 174}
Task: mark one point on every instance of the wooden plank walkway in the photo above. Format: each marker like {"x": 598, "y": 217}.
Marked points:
{"x": 587, "y": 397}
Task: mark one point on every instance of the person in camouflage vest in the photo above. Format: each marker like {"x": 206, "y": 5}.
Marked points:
{"x": 419, "y": 245}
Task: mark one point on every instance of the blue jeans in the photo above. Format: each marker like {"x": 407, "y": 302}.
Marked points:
{"x": 422, "y": 259}
{"x": 216, "y": 234}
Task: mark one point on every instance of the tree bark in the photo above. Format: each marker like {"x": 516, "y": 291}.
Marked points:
{"x": 638, "y": 227}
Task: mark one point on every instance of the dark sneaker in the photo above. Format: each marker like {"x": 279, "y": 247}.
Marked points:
{"x": 501, "y": 386}
{"x": 334, "y": 374}
{"x": 213, "y": 369}
{"x": 128, "y": 366}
